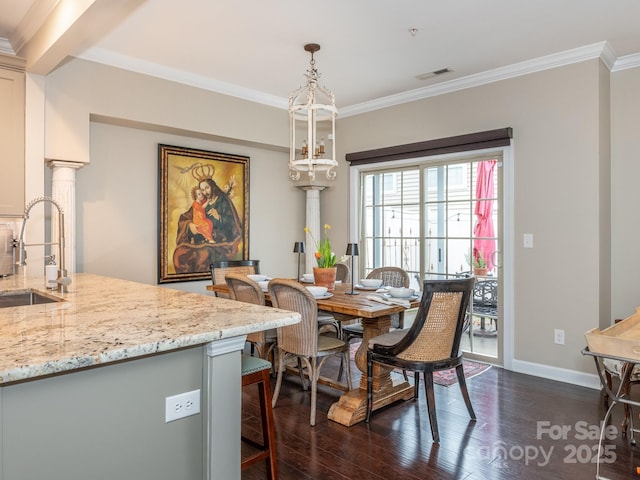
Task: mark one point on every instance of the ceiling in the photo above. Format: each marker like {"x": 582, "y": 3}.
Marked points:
{"x": 371, "y": 50}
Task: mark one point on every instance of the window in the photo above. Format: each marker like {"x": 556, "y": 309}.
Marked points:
{"x": 423, "y": 218}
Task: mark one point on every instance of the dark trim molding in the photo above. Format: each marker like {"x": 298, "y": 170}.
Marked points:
{"x": 472, "y": 141}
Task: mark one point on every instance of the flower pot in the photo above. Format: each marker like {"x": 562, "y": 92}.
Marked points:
{"x": 480, "y": 272}
{"x": 325, "y": 277}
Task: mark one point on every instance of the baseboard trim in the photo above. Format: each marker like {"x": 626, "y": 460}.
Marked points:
{"x": 589, "y": 380}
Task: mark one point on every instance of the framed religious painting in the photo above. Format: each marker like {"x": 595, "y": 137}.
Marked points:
{"x": 203, "y": 211}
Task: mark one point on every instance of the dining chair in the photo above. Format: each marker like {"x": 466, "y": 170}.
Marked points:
{"x": 243, "y": 289}
{"x": 391, "y": 277}
{"x": 302, "y": 340}
{"x": 342, "y": 272}
{"x": 485, "y": 305}
{"x": 219, "y": 270}
{"x": 432, "y": 343}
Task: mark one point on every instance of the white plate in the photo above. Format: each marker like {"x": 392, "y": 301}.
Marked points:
{"x": 302, "y": 280}
{"x": 324, "y": 297}
{"x": 368, "y": 289}
{"x": 412, "y": 297}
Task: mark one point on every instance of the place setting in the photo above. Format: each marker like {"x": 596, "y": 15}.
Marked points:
{"x": 320, "y": 293}
{"x": 371, "y": 285}
{"x": 261, "y": 280}
{"x": 395, "y": 296}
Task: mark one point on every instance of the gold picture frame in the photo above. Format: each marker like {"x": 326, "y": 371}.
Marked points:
{"x": 203, "y": 211}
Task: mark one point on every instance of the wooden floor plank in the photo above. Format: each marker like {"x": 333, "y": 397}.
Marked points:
{"x": 397, "y": 443}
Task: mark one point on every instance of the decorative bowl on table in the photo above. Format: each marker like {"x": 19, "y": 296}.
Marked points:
{"x": 264, "y": 285}
{"x": 401, "y": 292}
{"x": 371, "y": 282}
{"x": 308, "y": 277}
{"x": 317, "y": 291}
{"x": 257, "y": 278}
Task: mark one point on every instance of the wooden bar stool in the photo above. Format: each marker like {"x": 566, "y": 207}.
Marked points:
{"x": 255, "y": 370}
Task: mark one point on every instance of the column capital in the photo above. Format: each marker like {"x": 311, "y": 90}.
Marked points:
{"x": 64, "y": 164}
{"x": 308, "y": 184}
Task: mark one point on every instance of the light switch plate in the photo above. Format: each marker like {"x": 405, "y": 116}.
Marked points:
{"x": 527, "y": 240}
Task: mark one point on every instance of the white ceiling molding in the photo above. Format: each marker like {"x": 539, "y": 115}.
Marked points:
{"x": 31, "y": 23}
{"x": 524, "y": 68}
{"x": 148, "y": 68}
{"x": 5, "y": 47}
{"x": 518, "y": 69}
{"x": 600, "y": 50}
{"x": 626, "y": 62}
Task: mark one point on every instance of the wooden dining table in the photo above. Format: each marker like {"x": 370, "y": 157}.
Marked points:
{"x": 376, "y": 320}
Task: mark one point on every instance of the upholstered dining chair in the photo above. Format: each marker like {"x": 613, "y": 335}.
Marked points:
{"x": 243, "y": 289}
{"x": 302, "y": 341}
{"x": 432, "y": 343}
{"x": 219, "y": 270}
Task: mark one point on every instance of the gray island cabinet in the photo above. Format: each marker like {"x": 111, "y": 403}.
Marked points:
{"x": 84, "y": 381}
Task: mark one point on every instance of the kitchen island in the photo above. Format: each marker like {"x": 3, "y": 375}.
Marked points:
{"x": 84, "y": 381}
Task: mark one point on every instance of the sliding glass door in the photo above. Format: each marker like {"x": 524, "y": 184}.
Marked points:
{"x": 441, "y": 219}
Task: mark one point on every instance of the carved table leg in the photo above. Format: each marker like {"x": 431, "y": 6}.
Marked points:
{"x": 351, "y": 408}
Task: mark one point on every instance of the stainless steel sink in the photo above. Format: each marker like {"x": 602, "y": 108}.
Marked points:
{"x": 26, "y": 297}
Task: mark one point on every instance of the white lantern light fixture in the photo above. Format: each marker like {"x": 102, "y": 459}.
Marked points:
{"x": 312, "y": 120}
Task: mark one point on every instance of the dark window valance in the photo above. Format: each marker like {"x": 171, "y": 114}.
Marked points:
{"x": 461, "y": 143}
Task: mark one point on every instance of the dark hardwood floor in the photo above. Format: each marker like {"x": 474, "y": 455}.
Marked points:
{"x": 527, "y": 428}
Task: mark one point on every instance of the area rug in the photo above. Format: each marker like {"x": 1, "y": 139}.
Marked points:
{"x": 446, "y": 377}
{"x": 449, "y": 377}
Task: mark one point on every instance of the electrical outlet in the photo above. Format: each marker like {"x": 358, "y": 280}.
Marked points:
{"x": 181, "y": 405}
{"x": 558, "y": 336}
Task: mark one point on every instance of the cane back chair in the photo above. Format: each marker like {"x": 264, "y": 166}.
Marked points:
{"x": 302, "y": 340}
{"x": 432, "y": 343}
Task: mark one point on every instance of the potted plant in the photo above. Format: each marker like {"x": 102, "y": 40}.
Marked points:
{"x": 479, "y": 264}
{"x": 325, "y": 273}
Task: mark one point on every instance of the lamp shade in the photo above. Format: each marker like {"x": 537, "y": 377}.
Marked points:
{"x": 298, "y": 247}
{"x": 352, "y": 249}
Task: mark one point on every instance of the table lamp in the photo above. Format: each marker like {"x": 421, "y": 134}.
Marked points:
{"x": 352, "y": 250}
{"x": 298, "y": 247}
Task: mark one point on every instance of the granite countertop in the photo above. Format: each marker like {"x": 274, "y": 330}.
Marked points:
{"x": 103, "y": 320}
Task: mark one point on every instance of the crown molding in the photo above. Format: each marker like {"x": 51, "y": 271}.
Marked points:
{"x": 148, "y": 68}
{"x": 567, "y": 57}
{"x": 12, "y": 62}
{"x": 626, "y": 62}
{"x": 31, "y": 23}
{"x": 600, "y": 50}
{"x": 5, "y": 46}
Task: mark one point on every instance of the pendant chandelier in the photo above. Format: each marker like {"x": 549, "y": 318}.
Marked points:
{"x": 312, "y": 121}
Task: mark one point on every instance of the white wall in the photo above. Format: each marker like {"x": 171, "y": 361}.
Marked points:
{"x": 117, "y": 197}
{"x": 625, "y": 194}
{"x": 560, "y": 122}
{"x": 556, "y": 117}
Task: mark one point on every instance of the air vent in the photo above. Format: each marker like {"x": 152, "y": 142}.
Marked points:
{"x": 425, "y": 76}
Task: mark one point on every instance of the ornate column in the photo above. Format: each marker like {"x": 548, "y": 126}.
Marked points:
{"x": 63, "y": 191}
{"x": 312, "y": 221}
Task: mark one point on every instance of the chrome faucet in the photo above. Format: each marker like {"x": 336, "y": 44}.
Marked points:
{"x": 63, "y": 280}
